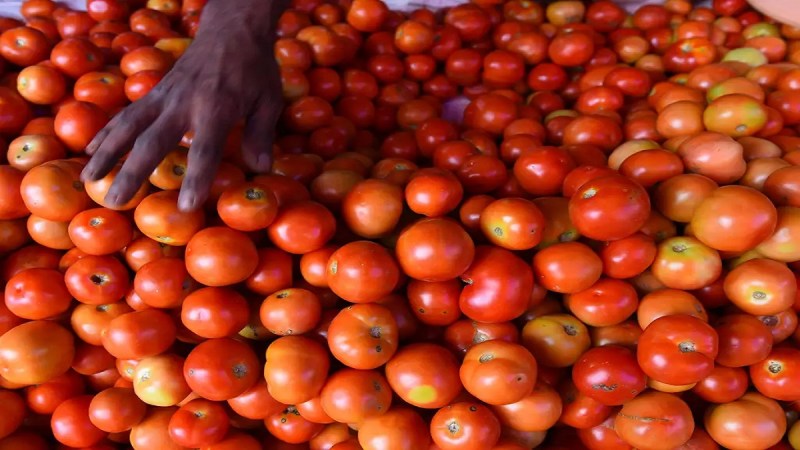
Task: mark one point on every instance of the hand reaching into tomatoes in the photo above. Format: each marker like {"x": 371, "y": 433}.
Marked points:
{"x": 228, "y": 74}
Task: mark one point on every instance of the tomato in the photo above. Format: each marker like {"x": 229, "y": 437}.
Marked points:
{"x": 97, "y": 280}
{"x": 210, "y": 249}
{"x": 76, "y": 56}
{"x": 567, "y": 267}
{"x": 273, "y": 272}
{"x": 100, "y": 231}
{"x": 433, "y": 192}
{"x": 104, "y": 89}
{"x": 41, "y": 84}
{"x": 115, "y": 410}
{"x": 296, "y": 369}
{"x": 351, "y": 396}
{"x": 302, "y": 227}
{"x": 28, "y": 151}
{"x": 402, "y": 426}
{"x": 482, "y": 299}
{"x": 490, "y": 112}
{"x": 290, "y": 311}
{"x": 53, "y": 190}
{"x": 672, "y": 427}
{"x": 597, "y": 208}
{"x": 37, "y": 293}
{"x": 498, "y": 372}
{"x": 220, "y": 369}
{"x": 781, "y": 188}
{"x": 726, "y": 166}
{"x": 71, "y": 424}
{"x": 424, "y": 375}
{"x": 199, "y": 423}
{"x": 139, "y": 84}
{"x": 722, "y": 385}
{"x": 139, "y": 334}
{"x": 145, "y": 58}
{"x": 367, "y": 15}
{"x": 743, "y": 340}
{"x": 721, "y": 223}
{"x": 749, "y": 413}
{"x": 688, "y": 344}
{"x": 735, "y": 115}
{"x": 686, "y": 263}
{"x": 779, "y": 246}
{"x": 465, "y": 425}
{"x": 542, "y": 171}
{"x": 362, "y": 272}
{"x": 247, "y": 207}
{"x": 628, "y": 257}
{"x": 678, "y": 197}
{"x": 159, "y": 381}
{"x": 35, "y": 352}
{"x": 609, "y": 374}
{"x": 607, "y": 302}
{"x": 774, "y": 375}
{"x": 16, "y": 410}
{"x": 761, "y": 286}
{"x": 434, "y": 249}
{"x": 153, "y": 431}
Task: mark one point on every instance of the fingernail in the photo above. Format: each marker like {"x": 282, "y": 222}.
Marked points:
{"x": 263, "y": 161}
{"x": 111, "y": 199}
{"x": 186, "y": 202}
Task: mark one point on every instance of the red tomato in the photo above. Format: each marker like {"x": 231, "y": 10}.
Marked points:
{"x": 609, "y": 208}
{"x": 609, "y": 374}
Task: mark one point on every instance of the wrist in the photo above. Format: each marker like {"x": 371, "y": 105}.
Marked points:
{"x": 257, "y": 19}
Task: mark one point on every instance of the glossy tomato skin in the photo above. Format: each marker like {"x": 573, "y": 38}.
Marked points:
{"x": 511, "y": 380}
{"x": 481, "y": 300}
{"x": 609, "y": 374}
{"x": 674, "y": 428}
{"x": 760, "y": 416}
{"x": 609, "y": 208}
{"x": 678, "y": 349}
{"x": 362, "y": 272}
{"x": 477, "y": 426}
{"x": 424, "y": 375}
{"x": 35, "y": 352}
{"x": 220, "y": 369}
{"x": 445, "y": 238}
{"x": 775, "y": 376}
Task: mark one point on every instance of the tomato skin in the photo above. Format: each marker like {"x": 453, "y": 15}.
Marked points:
{"x": 673, "y": 430}
{"x": 15, "y": 412}
{"x": 220, "y": 369}
{"x": 445, "y": 238}
{"x": 688, "y": 344}
{"x": 481, "y": 300}
{"x": 37, "y": 293}
{"x": 491, "y": 364}
{"x": 722, "y": 385}
{"x": 97, "y": 280}
{"x": 686, "y": 263}
{"x": 139, "y": 334}
{"x": 628, "y": 257}
{"x": 362, "y": 272}
{"x": 71, "y": 425}
{"x": 775, "y": 376}
{"x": 35, "y": 352}
{"x": 199, "y": 423}
{"x": 744, "y": 340}
{"x": 761, "y": 286}
{"x": 761, "y": 417}
{"x": 424, "y": 375}
{"x": 567, "y": 267}
{"x": 296, "y": 369}
{"x": 402, "y": 426}
{"x": 609, "y": 208}
{"x": 477, "y": 427}
{"x": 115, "y": 410}
{"x": 609, "y": 374}
{"x": 363, "y": 336}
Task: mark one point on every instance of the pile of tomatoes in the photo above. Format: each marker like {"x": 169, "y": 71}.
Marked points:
{"x": 502, "y": 226}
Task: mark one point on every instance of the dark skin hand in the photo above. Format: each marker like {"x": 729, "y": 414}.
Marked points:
{"x": 227, "y": 74}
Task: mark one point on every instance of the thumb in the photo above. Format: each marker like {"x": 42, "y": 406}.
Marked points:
{"x": 780, "y": 10}
{"x": 259, "y": 134}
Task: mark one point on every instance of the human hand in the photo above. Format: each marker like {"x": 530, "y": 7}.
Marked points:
{"x": 227, "y": 74}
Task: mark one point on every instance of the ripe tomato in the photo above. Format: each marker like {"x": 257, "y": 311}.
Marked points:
{"x": 686, "y": 263}
{"x": 15, "y": 412}
{"x": 75, "y": 56}
{"x": 761, "y": 286}
{"x": 71, "y": 424}
{"x": 567, "y": 267}
{"x": 722, "y": 223}
{"x": 673, "y": 426}
{"x": 512, "y": 366}
{"x": 77, "y": 122}
{"x": 139, "y": 334}
{"x": 35, "y": 352}
{"x": 513, "y": 223}
{"x": 498, "y": 286}
{"x": 557, "y": 340}
{"x": 351, "y": 396}
{"x": 609, "y": 208}
{"x": 199, "y": 423}
{"x": 722, "y": 385}
{"x": 424, "y": 375}
{"x": 213, "y": 248}
{"x": 104, "y": 89}
{"x": 152, "y": 432}
{"x": 100, "y": 231}
{"x": 726, "y": 166}
{"x": 220, "y": 369}
{"x": 775, "y": 375}
{"x": 296, "y": 369}
{"x": 434, "y": 249}
{"x": 41, "y": 85}
{"x": 363, "y": 336}
{"x": 362, "y": 272}
{"x": 53, "y": 190}
{"x": 677, "y": 349}
{"x": 465, "y": 425}
{"x": 28, "y": 151}
{"x": 402, "y": 426}
{"x": 290, "y": 311}
{"x": 607, "y": 302}
{"x": 37, "y": 293}
{"x": 751, "y": 412}
{"x": 116, "y": 410}
{"x": 97, "y": 280}
{"x": 302, "y": 227}
{"x": 609, "y": 374}
{"x": 159, "y": 381}
{"x": 273, "y": 272}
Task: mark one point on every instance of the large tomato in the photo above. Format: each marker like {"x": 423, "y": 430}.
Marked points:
{"x": 363, "y": 336}
{"x": 671, "y": 426}
{"x": 351, "y": 395}
{"x": 403, "y": 427}
{"x": 362, "y": 271}
{"x": 35, "y": 352}
{"x": 609, "y": 208}
{"x": 677, "y": 349}
{"x": 296, "y": 369}
{"x": 498, "y": 286}
{"x": 220, "y": 369}
{"x": 220, "y": 256}
{"x": 498, "y": 372}
{"x": 424, "y": 375}
{"x": 434, "y": 249}
{"x": 465, "y": 425}
{"x": 759, "y": 422}
{"x": 609, "y": 374}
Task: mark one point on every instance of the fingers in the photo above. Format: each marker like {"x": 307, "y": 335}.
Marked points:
{"x": 116, "y": 138}
{"x": 259, "y": 133}
{"x": 204, "y": 157}
{"x": 150, "y": 148}
{"x": 780, "y": 10}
